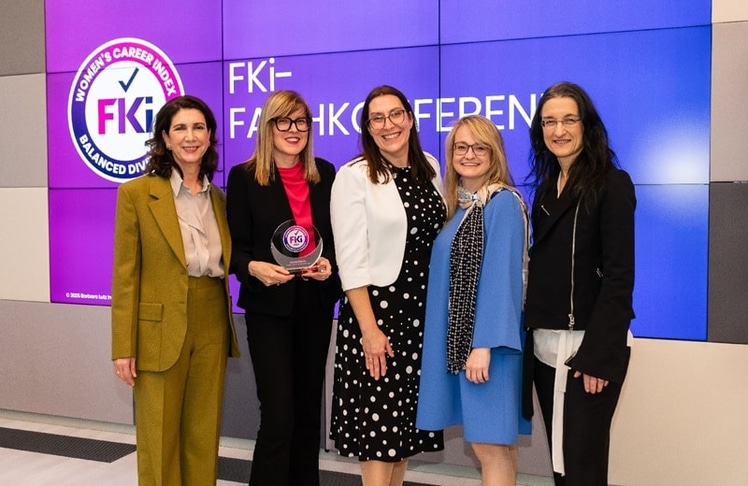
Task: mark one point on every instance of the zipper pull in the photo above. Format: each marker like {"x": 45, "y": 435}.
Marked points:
{"x": 545, "y": 210}
{"x": 571, "y": 322}
{"x": 599, "y": 273}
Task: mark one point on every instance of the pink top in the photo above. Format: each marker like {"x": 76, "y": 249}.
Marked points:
{"x": 297, "y": 191}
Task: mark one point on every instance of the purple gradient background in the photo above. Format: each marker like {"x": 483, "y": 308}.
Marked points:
{"x": 652, "y": 88}
{"x": 81, "y": 228}
{"x": 67, "y": 169}
{"x": 187, "y": 31}
{"x": 263, "y": 29}
{"x": 331, "y": 79}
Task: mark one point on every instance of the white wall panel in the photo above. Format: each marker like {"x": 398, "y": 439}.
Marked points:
{"x": 729, "y": 10}
{"x": 56, "y": 360}
{"x": 23, "y": 160}
{"x": 729, "y": 143}
{"x": 682, "y": 416}
{"x": 24, "y": 247}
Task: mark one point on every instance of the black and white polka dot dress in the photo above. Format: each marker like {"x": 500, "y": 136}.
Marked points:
{"x": 375, "y": 420}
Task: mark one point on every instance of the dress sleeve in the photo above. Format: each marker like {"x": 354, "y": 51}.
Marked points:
{"x": 498, "y": 315}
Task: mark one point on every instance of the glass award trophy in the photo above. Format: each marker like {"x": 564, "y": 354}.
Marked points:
{"x": 294, "y": 247}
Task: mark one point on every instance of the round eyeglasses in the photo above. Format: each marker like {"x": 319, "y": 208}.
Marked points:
{"x": 283, "y": 124}
{"x": 478, "y": 150}
{"x": 377, "y": 121}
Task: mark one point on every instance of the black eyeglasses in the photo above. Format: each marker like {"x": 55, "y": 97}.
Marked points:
{"x": 377, "y": 122}
{"x": 283, "y": 124}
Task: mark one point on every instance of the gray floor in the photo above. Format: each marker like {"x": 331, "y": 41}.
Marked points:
{"x": 36, "y": 469}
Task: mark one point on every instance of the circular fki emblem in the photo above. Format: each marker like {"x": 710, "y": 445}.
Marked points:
{"x": 113, "y": 102}
{"x": 295, "y": 239}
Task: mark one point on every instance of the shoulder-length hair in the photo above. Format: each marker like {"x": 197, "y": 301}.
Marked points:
{"x": 485, "y": 133}
{"x": 278, "y": 105}
{"x": 420, "y": 169}
{"x": 161, "y": 161}
{"x": 587, "y": 173}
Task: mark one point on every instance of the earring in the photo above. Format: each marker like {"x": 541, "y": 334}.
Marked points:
{"x": 168, "y": 147}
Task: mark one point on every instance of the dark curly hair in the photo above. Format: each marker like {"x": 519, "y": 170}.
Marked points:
{"x": 161, "y": 161}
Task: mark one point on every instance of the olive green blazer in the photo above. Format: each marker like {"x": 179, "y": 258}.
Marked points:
{"x": 149, "y": 278}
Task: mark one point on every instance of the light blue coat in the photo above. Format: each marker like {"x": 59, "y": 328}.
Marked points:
{"x": 490, "y": 412}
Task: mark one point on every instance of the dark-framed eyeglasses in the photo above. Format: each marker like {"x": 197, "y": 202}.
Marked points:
{"x": 551, "y": 123}
{"x": 377, "y": 121}
{"x": 283, "y": 124}
{"x": 478, "y": 149}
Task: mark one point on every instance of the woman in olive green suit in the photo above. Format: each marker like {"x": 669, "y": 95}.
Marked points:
{"x": 172, "y": 327}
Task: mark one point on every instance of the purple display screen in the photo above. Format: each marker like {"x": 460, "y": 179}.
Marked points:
{"x": 648, "y": 74}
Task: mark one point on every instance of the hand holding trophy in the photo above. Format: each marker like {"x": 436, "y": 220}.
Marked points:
{"x": 297, "y": 249}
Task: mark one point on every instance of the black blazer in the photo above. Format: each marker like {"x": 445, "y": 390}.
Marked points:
{"x": 603, "y": 272}
{"x": 254, "y": 212}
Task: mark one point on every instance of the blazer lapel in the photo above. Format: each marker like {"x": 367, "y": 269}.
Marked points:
{"x": 320, "y": 216}
{"x": 548, "y": 213}
{"x": 219, "y": 209}
{"x": 165, "y": 213}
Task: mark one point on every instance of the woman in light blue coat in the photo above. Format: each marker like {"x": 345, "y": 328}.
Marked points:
{"x": 473, "y": 338}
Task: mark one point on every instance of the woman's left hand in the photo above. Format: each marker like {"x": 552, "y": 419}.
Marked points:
{"x": 591, "y": 384}
{"x": 321, "y": 271}
{"x": 476, "y": 366}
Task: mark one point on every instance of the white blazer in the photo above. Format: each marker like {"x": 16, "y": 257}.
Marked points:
{"x": 370, "y": 225}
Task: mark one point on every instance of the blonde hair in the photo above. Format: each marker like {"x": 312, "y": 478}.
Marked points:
{"x": 484, "y": 132}
{"x": 280, "y": 104}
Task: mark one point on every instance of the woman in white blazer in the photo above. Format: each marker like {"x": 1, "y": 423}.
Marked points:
{"x": 386, "y": 210}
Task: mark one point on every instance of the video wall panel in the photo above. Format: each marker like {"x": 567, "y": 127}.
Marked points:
{"x": 81, "y": 227}
{"x": 649, "y": 75}
{"x": 488, "y": 20}
{"x": 189, "y": 30}
{"x": 97, "y": 135}
{"x": 334, "y": 86}
{"x": 672, "y": 235}
{"x": 267, "y": 29}
{"x": 660, "y": 133}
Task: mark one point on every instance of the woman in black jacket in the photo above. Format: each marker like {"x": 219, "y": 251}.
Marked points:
{"x": 289, "y": 315}
{"x": 581, "y": 279}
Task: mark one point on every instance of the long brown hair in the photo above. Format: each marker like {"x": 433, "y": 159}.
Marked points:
{"x": 420, "y": 169}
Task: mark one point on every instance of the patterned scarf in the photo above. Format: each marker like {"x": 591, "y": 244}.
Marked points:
{"x": 465, "y": 258}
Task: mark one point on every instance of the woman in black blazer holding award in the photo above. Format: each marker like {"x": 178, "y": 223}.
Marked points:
{"x": 281, "y": 195}
{"x": 579, "y": 296}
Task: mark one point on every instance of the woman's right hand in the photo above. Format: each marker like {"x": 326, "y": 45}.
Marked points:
{"x": 124, "y": 368}
{"x": 268, "y": 273}
{"x": 376, "y": 349}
